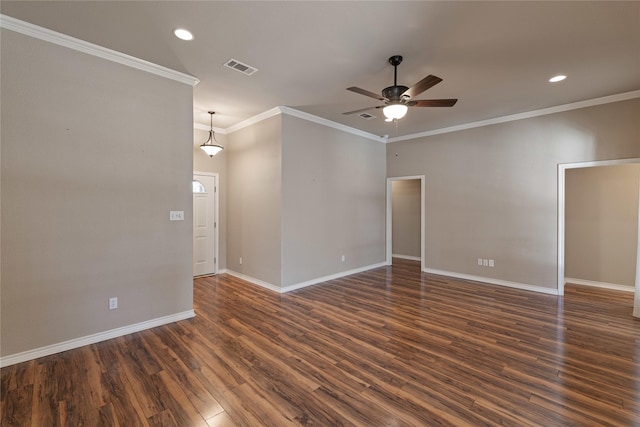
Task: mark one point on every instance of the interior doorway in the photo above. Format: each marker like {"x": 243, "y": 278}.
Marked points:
{"x": 205, "y": 223}
{"x": 562, "y": 168}
{"x": 409, "y": 203}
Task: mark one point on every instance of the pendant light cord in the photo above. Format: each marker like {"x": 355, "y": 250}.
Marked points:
{"x": 212, "y": 134}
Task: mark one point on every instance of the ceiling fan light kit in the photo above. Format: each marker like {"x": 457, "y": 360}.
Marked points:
{"x": 395, "y": 111}
{"x": 209, "y": 147}
{"x": 398, "y": 98}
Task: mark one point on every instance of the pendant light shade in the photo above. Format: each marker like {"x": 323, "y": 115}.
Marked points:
{"x": 209, "y": 147}
{"x": 211, "y": 150}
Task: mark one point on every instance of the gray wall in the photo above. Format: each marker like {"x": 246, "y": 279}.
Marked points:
{"x": 254, "y": 201}
{"x": 405, "y": 202}
{"x": 94, "y": 156}
{"x": 333, "y": 201}
{"x": 601, "y": 223}
{"x": 491, "y": 192}
{"x": 216, "y": 164}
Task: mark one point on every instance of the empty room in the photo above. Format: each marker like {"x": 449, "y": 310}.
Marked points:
{"x": 367, "y": 213}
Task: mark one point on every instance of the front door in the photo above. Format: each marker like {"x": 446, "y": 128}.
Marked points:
{"x": 204, "y": 256}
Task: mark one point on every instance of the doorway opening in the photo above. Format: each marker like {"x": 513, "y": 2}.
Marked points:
{"x": 406, "y": 202}
{"x": 205, "y": 223}
{"x": 562, "y": 168}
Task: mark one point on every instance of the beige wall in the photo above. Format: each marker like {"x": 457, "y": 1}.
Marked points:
{"x": 254, "y": 201}
{"x": 94, "y": 156}
{"x": 601, "y": 223}
{"x": 333, "y": 201}
{"x": 216, "y": 164}
{"x": 405, "y": 202}
{"x": 491, "y": 192}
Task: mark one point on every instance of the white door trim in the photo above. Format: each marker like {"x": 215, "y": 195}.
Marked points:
{"x": 636, "y": 299}
{"x": 216, "y": 216}
{"x": 562, "y": 167}
{"x": 389, "y": 221}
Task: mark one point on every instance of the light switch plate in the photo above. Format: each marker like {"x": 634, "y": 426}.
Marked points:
{"x": 176, "y": 215}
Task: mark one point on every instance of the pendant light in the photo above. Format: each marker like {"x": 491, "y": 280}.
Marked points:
{"x": 209, "y": 147}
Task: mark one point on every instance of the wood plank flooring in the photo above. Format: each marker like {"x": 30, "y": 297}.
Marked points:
{"x": 388, "y": 347}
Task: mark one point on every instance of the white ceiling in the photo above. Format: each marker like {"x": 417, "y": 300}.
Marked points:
{"x": 495, "y": 57}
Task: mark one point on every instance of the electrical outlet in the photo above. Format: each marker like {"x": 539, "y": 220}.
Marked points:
{"x": 113, "y": 303}
{"x": 344, "y": 258}
{"x": 240, "y": 260}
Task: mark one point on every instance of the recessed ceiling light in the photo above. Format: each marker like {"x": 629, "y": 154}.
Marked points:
{"x": 557, "y": 78}
{"x": 183, "y": 34}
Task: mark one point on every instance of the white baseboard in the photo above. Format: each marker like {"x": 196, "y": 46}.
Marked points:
{"x": 594, "y": 284}
{"x": 300, "y": 285}
{"x": 253, "y": 280}
{"x": 211, "y": 274}
{"x": 331, "y": 277}
{"x": 92, "y": 339}
{"x": 409, "y": 257}
{"x": 489, "y": 280}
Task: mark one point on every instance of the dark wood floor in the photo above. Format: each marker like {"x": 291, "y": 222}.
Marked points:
{"x": 388, "y": 347}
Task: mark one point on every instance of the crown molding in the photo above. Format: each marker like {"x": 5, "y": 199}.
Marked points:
{"x": 510, "y": 118}
{"x": 315, "y": 119}
{"x": 255, "y": 119}
{"x": 54, "y": 37}
{"x": 526, "y": 115}
{"x": 304, "y": 116}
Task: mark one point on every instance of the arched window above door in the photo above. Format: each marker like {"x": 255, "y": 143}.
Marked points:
{"x": 198, "y": 187}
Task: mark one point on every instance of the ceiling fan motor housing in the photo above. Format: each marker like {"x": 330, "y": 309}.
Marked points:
{"x": 394, "y": 93}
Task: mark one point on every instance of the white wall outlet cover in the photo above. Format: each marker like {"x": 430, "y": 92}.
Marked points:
{"x": 113, "y": 303}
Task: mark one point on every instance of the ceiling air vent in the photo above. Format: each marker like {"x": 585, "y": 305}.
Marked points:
{"x": 366, "y": 116}
{"x": 239, "y": 66}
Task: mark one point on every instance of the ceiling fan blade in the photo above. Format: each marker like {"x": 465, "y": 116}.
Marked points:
{"x": 363, "y": 109}
{"x": 421, "y": 86}
{"x": 432, "y": 103}
{"x": 367, "y": 93}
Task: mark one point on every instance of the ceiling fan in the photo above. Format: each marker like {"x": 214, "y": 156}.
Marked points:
{"x": 398, "y": 98}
